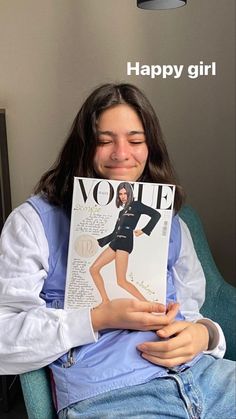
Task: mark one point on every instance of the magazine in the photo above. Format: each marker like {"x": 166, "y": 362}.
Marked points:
{"x": 119, "y": 239}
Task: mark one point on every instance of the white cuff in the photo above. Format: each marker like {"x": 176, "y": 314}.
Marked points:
{"x": 77, "y": 327}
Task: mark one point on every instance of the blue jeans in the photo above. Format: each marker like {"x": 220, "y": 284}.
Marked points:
{"x": 204, "y": 391}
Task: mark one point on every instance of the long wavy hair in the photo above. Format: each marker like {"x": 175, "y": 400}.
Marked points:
{"x": 77, "y": 155}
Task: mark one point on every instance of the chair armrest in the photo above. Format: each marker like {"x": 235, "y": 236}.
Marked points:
{"x": 37, "y": 394}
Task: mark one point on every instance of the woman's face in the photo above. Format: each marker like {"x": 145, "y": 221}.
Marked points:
{"x": 122, "y": 151}
{"x": 123, "y": 196}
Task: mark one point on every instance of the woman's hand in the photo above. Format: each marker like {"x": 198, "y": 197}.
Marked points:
{"x": 138, "y": 233}
{"x": 133, "y": 315}
{"x": 183, "y": 340}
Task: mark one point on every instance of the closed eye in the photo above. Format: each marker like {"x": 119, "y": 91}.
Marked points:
{"x": 104, "y": 141}
{"x": 136, "y": 142}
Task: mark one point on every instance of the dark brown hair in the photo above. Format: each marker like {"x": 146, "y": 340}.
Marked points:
{"x": 76, "y": 156}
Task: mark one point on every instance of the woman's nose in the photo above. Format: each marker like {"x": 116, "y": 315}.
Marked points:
{"x": 121, "y": 151}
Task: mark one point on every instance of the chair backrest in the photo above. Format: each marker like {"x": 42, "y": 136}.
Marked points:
{"x": 220, "y": 302}
{"x": 220, "y": 305}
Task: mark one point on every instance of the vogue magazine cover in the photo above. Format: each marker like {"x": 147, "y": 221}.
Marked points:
{"x": 119, "y": 239}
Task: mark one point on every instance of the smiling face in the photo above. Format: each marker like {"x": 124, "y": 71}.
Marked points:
{"x": 121, "y": 152}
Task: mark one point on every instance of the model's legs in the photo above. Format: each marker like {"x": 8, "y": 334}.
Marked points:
{"x": 121, "y": 260}
{"x": 107, "y": 256}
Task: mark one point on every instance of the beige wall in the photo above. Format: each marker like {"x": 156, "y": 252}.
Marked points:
{"x": 53, "y": 52}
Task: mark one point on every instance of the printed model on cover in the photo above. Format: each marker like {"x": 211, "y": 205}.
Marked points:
{"x": 119, "y": 240}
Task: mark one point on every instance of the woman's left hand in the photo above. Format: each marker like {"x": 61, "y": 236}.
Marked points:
{"x": 182, "y": 341}
{"x": 138, "y": 233}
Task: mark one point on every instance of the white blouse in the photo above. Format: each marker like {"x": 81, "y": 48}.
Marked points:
{"x": 31, "y": 335}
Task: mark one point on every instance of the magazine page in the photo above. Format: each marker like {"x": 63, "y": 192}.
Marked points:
{"x": 119, "y": 239}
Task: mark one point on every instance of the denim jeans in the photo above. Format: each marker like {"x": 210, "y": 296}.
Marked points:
{"x": 204, "y": 391}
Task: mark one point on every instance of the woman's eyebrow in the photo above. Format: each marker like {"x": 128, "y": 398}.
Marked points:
{"x": 112, "y": 134}
{"x": 136, "y": 132}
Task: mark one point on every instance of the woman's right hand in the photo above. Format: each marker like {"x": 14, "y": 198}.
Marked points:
{"x": 133, "y": 315}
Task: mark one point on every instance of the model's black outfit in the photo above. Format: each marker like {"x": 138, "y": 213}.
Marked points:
{"x": 122, "y": 236}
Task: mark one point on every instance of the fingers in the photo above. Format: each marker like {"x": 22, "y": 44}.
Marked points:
{"x": 167, "y": 363}
{"x": 148, "y": 307}
{"x": 163, "y": 348}
{"x": 138, "y": 233}
{"x": 172, "y": 311}
{"x": 168, "y": 358}
{"x": 172, "y": 329}
{"x": 152, "y": 315}
{"x": 152, "y": 307}
{"x": 167, "y": 353}
{"x": 133, "y": 314}
{"x": 172, "y": 305}
{"x": 147, "y": 321}
{"x": 183, "y": 341}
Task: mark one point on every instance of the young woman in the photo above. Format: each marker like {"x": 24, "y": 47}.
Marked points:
{"x": 121, "y": 240}
{"x": 139, "y": 364}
